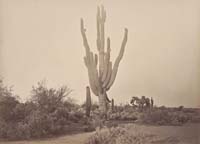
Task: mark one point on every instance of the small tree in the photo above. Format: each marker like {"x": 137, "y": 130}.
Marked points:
{"x": 48, "y": 100}
{"x": 101, "y": 79}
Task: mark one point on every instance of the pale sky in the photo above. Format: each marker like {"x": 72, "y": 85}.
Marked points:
{"x": 41, "y": 39}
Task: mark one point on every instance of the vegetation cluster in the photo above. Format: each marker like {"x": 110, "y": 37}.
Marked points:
{"x": 50, "y": 112}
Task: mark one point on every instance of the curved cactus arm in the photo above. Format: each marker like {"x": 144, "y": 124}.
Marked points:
{"x": 98, "y": 41}
{"x": 118, "y": 59}
{"x": 102, "y": 21}
{"x": 92, "y": 80}
{"x": 91, "y": 63}
{"x": 85, "y": 42}
{"x": 107, "y": 99}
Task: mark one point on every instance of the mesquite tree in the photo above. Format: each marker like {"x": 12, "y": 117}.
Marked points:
{"x": 101, "y": 74}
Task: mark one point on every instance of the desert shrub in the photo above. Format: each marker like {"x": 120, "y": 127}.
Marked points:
{"x": 195, "y": 118}
{"x": 48, "y": 99}
{"x": 53, "y": 111}
{"x": 181, "y": 117}
{"x": 39, "y": 124}
{"x": 123, "y": 116}
{"x": 124, "y": 113}
{"x": 171, "y": 116}
{"x": 76, "y": 116}
{"x": 128, "y": 116}
{"x": 42, "y": 125}
{"x": 11, "y": 112}
{"x": 180, "y": 108}
{"x": 157, "y": 117}
{"x": 48, "y": 112}
{"x": 10, "y": 131}
{"x": 13, "y": 131}
{"x": 22, "y": 110}
{"x": 192, "y": 114}
{"x": 94, "y": 106}
{"x": 119, "y": 135}
{"x": 70, "y": 104}
{"x": 93, "y": 123}
{"x": 190, "y": 110}
{"x": 119, "y": 108}
{"x": 115, "y": 116}
{"x": 8, "y": 102}
{"x": 7, "y": 106}
{"x": 3, "y": 129}
{"x": 165, "y": 117}
{"x": 19, "y": 112}
{"x": 23, "y": 131}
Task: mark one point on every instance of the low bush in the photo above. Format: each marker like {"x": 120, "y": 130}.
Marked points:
{"x": 119, "y": 135}
{"x": 123, "y": 113}
{"x": 165, "y": 116}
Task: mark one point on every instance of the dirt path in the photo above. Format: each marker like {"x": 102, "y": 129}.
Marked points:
{"x": 69, "y": 139}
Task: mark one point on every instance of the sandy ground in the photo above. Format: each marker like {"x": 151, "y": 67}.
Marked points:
{"x": 188, "y": 134}
{"x": 68, "y": 139}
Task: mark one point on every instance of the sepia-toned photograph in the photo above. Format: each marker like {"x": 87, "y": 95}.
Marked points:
{"x": 99, "y": 72}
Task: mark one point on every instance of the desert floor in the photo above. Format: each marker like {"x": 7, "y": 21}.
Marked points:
{"x": 187, "y": 134}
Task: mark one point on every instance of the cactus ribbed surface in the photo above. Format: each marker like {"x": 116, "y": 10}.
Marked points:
{"x": 112, "y": 105}
{"x": 101, "y": 71}
{"x": 88, "y": 102}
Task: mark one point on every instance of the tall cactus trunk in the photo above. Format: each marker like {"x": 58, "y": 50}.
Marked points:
{"x": 103, "y": 105}
{"x": 88, "y": 102}
{"x": 112, "y": 105}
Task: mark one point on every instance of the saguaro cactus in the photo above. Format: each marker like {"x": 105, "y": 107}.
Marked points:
{"x": 88, "y": 103}
{"x": 152, "y": 102}
{"x": 101, "y": 75}
{"x": 112, "y": 105}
